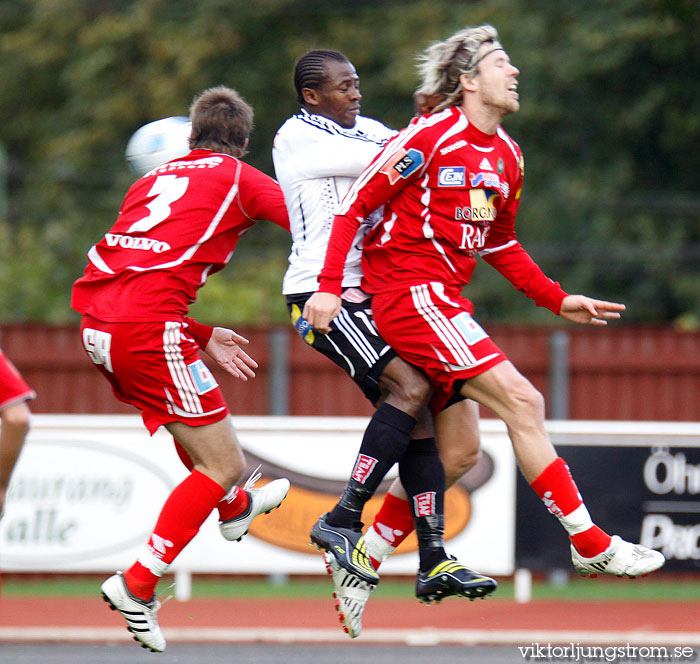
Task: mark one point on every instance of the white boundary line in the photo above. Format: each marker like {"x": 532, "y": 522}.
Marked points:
{"x": 415, "y": 637}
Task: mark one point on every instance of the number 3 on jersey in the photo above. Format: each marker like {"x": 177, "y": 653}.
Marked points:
{"x": 167, "y": 189}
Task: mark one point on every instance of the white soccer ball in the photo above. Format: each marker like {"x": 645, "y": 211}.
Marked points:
{"x": 158, "y": 142}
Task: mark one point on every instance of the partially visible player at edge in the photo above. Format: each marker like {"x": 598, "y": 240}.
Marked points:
{"x": 178, "y": 224}
{"x": 318, "y": 153}
{"x": 450, "y": 185}
{"x": 15, "y": 418}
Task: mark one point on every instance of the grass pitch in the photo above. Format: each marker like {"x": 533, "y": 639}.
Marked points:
{"x": 653, "y": 589}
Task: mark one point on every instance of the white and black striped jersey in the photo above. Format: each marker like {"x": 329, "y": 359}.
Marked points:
{"x": 316, "y": 162}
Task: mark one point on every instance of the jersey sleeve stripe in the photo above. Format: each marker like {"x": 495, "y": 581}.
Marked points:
{"x": 95, "y": 258}
{"x": 508, "y": 141}
{"x": 493, "y": 250}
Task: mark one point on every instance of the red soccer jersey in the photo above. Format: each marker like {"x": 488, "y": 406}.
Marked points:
{"x": 177, "y": 225}
{"x": 449, "y": 192}
{"x": 13, "y": 389}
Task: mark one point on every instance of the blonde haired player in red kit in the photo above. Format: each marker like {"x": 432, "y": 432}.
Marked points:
{"x": 178, "y": 224}
{"x": 450, "y": 185}
{"x": 318, "y": 153}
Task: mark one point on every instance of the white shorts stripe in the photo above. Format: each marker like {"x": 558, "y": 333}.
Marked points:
{"x": 356, "y": 337}
{"x": 423, "y": 301}
{"x": 187, "y": 389}
{"x": 425, "y": 307}
{"x": 173, "y": 359}
{"x": 461, "y": 343}
{"x": 453, "y": 340}
{"x": 351, "y": 366}
{"x": 178, "y": 369}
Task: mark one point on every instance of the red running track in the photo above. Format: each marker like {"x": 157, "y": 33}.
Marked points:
{"x": 453, "y": 613}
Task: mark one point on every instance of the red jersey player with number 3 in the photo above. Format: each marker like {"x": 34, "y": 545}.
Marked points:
{"x": 450, "y": 184}
{"x": 177, "y": 225}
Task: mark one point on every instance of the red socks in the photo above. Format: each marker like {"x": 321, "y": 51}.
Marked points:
{"x": 182, "y": 515}
{"x": 235, "y": 503}
{"x": 141, "y": 581}
{"x": 394, "y": 521}
{"x": 558, "y": 491}
{"x": 392, "y": 525}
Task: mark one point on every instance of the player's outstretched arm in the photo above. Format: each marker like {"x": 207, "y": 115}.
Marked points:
{"x": 225, "y": 348}
{"x": 320, "y": 309}
{"x": 586, "y": 310}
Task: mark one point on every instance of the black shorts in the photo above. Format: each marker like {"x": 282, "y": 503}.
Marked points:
{"x": 353, "y": 342}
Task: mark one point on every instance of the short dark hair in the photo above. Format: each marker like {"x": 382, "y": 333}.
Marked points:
{"x": 310, "y": 70}
{"x": 221, "y": 121}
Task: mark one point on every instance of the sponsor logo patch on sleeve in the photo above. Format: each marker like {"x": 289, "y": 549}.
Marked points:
{"x": 403, "y": 164}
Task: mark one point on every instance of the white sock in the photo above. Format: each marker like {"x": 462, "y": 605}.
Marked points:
{"x": 377, "y": 547}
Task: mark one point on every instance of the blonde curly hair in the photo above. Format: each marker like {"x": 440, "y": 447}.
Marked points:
{"x": 442, "y": 63}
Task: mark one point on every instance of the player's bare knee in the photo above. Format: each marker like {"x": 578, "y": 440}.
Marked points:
{"x": 527, "y": 404}
{"x": 458, "y": 462}
{"x": 17, "y": 420}
{"x": 226, "y": 466}
{"x": 534, "y": 404}
{"x": 407, "y": 390}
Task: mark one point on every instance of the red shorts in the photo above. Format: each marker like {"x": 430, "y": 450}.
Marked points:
{"x": 156, "y": 368}
{"x": 13, "y": 389}
{"x": 435, "y": 332}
